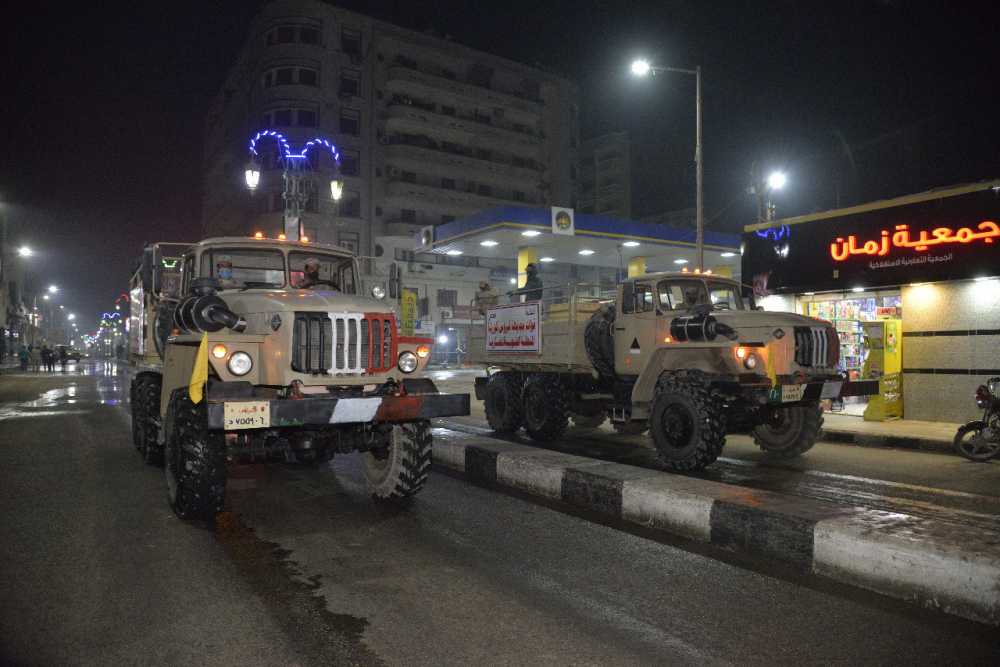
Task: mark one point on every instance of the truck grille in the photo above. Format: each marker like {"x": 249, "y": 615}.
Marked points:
{"x": 343, "y": 343}
{"x": 816, "y": 346}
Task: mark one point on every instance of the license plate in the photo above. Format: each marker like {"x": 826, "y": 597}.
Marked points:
{"x": 790, "y": 393}
{"x": 246, "y": 414}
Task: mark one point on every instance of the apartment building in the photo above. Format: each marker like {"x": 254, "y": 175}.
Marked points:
{"x": 605, "y": 176}
{"x": 427, "y": 130}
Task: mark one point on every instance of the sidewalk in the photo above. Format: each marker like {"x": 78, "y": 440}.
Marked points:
{"x": 905, "y": 433}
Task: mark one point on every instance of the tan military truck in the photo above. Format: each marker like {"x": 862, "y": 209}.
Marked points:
{"x": 686, "y": 356}
{"x": 301, "y": 364}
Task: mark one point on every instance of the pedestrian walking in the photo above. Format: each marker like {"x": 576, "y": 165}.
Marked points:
{"x": 23, "y": 356}
{"x": 63, "y": 357}
{"x": 47, "y": 360}
{"x": 34, "y": 358}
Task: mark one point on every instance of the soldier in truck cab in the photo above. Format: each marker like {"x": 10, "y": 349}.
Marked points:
{"x": 311, "y": 277}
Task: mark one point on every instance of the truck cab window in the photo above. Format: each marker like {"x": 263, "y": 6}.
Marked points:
{"x": 681, "y": 294}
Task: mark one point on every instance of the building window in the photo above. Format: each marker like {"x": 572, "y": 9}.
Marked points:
{"x": 282, "y": 117}
{"x": 284, "y": 35}
{"x": 517, "y": 195}
{"x": 350, "y": 204}
{"x": 408, "y": 215}
{"x": 349, "y": 240}
{"x": 408, "y": 177}
{"x": 350, "y": 82}
{"x": 484, "y": 190}
{"x": 308, "y": 77}
{"x": 309, "y": 35}
{"x": 350, "y": 41}
{"x": 447, "y": 298}
{"x": 350, "y": 122}
{"x": 350, "y": 163}
{"x": 306, "y": 118}
{"x": 284, "y": 76}
{"x": 448, "y": 183}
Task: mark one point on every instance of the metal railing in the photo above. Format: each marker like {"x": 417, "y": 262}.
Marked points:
{"x": 563, "y": 303}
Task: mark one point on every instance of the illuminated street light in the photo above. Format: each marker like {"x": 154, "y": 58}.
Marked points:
{"x": 71, "y": 316}
{"x": 45, "y": 296}
{"x": 252, "y": 175}
{"x": 642, "y": 68}
{"x": 336, "y": 189}
{"x": 777, "y": 180}
{"x": 25, "y": 251}
{"x": 53, "y": 289}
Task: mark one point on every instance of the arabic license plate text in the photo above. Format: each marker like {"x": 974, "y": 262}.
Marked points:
{"x": 246, "y": 414}
{"x": 791, "y": 393}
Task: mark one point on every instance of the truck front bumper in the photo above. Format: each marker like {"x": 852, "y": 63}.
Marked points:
{"x": 242, "y": 414}
{"x": 810, "y": 392}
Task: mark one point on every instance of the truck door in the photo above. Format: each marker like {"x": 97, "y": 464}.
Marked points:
{"x": 635, "y": 327}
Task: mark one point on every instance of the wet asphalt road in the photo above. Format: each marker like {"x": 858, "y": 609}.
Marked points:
{"x": 303, "y": 569}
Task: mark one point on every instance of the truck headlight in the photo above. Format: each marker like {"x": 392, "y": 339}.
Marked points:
{"x": 378, "y": 291}
{"x": 407, "y": 362}
{"x": 751, "y": 361}
{"x": 240, "y": 363}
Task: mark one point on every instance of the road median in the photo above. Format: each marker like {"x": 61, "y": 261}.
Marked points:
{"x": 929, "y": 562}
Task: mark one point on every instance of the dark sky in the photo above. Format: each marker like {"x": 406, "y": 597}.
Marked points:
{"x": 103, "y": 107}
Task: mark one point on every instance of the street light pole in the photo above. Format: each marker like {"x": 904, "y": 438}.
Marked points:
{"x": 642, "y": 68}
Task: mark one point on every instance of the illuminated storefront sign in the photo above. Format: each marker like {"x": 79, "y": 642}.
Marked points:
{"x": 842, "y": 249}
{"x": 950, "y": 234}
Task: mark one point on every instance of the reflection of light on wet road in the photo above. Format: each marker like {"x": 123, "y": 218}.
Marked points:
{"x": 69, "y": 399}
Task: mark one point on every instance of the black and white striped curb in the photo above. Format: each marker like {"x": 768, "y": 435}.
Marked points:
{"x": 954, "y": 568}
{"x": 891, "y": 441}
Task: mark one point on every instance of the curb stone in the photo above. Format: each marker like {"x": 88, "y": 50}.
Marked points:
{"x": 948, "y": 567}
{"x": 892, "y": 441}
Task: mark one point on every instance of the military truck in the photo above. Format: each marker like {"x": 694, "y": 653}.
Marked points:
{"x": 688, "y": 357}
{"x": 301, "y": 365}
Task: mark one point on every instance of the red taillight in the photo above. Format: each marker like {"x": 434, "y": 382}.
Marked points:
{"x": 983, "y": 396}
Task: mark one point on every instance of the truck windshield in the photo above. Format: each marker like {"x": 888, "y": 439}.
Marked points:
{"x": 685, "y": 293}
{"x": 237, "y": 268}
{"x": 317, "y": 270}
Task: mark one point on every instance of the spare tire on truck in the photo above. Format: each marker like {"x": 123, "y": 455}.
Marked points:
{"x": 599, "y": 340}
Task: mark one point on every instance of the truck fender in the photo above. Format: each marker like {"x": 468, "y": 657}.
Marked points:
{"x": 705, "y": 359}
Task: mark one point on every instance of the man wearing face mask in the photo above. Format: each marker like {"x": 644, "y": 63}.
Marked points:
{"x": 224, "y": 272}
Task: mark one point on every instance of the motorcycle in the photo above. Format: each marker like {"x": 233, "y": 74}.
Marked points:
{"x": 980, "y": 440}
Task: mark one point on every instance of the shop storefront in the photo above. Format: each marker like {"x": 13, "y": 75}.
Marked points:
{"x": 911, "y": 284}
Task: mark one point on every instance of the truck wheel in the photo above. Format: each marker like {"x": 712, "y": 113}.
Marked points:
{"x": 588, "y": 421}
{"x": 599, "y": 341}
{"x": 789, "y": 432}
{"x": 503, "y": 402}
{"x": 630, "y": 427}
{"x": 546, "y": 414}
{"x": 396, "y": 473}
{"x": 149, "y": 398}
{"x": 688, "y": 424}
{"x": 195, "y": 460}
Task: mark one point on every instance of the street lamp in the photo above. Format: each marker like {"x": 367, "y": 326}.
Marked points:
{"x": 296, "y": 192}
{"x": 53, "y": 289}
{"x": 763, "y": 187}
{"x": 25, "y": 251}
{"x": 71, "y": 316}
{"x": 777, "y": 180}
{"x": 642, "y": 68}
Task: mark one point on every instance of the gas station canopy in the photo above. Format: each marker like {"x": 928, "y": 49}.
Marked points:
{"x": 595, "y": 241}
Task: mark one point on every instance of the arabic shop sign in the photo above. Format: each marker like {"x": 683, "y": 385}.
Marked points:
{"x": 949, "y": 238}
{"x": 842, "y": 249}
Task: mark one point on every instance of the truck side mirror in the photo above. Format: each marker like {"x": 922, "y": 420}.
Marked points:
{"x": 628, "y": 297}
{"x": 395, "y": 282}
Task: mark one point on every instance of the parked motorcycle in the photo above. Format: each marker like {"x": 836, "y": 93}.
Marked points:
{"x": 980, "y": 440}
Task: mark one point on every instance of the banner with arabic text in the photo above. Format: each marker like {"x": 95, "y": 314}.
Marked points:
{"x": 513, "y": 328}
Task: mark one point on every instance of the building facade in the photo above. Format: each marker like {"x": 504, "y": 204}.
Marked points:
{"x": 605, "y": 176}
{"x": 427, "y": 130}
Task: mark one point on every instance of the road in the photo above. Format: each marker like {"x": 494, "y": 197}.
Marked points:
{"x": 303, "y": 569}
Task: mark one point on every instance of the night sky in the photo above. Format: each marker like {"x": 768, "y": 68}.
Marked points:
{"x": 103, "y": 109}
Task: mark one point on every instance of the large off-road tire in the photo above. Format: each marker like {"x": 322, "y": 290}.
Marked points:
{"x": 637, "y": 427}
{"x": 789, "y": 432}
{"x": 599, "y": 340}
{"x": 397, "y": 473}
{"x": 137, "y": 410}
{"x": 195, "y": 460}
{"x": 148, "y": 395}
{"x": 546, "y": 413}
{"x": 503, "y": 402}
{"x": 688, "y": 423}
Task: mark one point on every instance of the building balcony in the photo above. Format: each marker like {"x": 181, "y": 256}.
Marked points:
{"x": 440, "y": 200}
{"x": 436, "y": 162}
{"x": 433, "y": 85}
{"x": 412, "y": 120}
